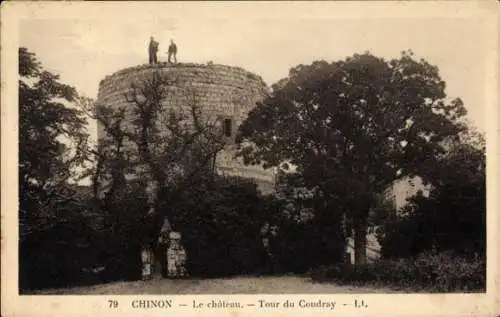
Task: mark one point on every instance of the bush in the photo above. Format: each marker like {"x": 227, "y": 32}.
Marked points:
{"x": 298, "y": 246}
{"x": 446, "y": 272}
{"x": 291, "y": 247}
{"x": 306, "y": 232}
{"x": 125, "y": 230}
{"x": 434, "y": 272}
{"x": 220, "y": 220}
{"x": 55, "y": 257}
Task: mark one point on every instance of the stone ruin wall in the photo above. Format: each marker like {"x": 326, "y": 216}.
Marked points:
{"x": 221, "y": 92}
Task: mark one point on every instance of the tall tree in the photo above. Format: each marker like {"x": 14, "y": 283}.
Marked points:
{"x": 52, "y": 152}
{"x": 52, "y": 143}
{"x": 353, "y": 127}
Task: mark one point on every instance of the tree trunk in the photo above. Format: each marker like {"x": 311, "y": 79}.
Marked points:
{"x": 360, "y": 241}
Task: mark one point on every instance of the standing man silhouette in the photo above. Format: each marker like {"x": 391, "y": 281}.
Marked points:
{"x": 172, "y": 52}
{"x": 153, "y": 50}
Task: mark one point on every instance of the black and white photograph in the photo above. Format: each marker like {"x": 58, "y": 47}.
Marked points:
{"x": 200, "y": 148}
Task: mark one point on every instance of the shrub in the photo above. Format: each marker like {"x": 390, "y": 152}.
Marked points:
{"x": 298, "y": 246}
{"x": 44, "y": 260}
{"x": 220, "y": 220}
{"x": 447, "y": 272}
{"x": 291, "y": 247}
{"x": 125, "y": 230}
{"x": 434, "y": 272}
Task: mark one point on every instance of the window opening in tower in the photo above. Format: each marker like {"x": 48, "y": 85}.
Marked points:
{"x": 228, "y": 127}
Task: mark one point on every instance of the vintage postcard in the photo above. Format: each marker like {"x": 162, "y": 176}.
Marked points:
{"x": 250, "y": 158}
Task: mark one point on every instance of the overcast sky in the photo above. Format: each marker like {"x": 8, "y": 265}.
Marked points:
{"x": 84, "y": 50}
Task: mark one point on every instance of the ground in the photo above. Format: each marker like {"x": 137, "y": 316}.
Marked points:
{"x": 234, "y": 285}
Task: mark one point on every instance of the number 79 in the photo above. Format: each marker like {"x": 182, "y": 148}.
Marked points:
{"x": 113, "y": 303}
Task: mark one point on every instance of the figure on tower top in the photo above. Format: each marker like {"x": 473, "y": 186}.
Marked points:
{"x": 153, "y": 50}
{"x": 172, "y": 51}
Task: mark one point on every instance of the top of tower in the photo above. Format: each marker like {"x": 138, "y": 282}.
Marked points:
{"x": 166, "y": 65}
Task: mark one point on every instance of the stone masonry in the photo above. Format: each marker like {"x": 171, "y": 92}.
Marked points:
{"x": 223, "y": 93}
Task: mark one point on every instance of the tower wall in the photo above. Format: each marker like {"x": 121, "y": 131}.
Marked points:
{"x": 221, "y": 92}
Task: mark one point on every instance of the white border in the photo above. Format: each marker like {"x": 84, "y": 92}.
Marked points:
{"x": 408, "y": 305}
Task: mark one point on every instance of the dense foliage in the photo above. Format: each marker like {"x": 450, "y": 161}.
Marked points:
{"x": 52, "y": 144}
{"x": 352, "y": 127}
{"x": 126, "y": 229}
{"x": 453, "y": 217}
{"x": 298, "y": 247}
{"x": 220, "y": 219}
{"x": 305, "y": 234}
{"x": 427, "y": 272}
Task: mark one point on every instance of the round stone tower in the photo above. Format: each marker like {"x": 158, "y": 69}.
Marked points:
{"x": 223, "y": 92}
